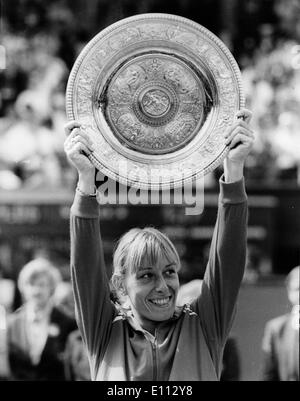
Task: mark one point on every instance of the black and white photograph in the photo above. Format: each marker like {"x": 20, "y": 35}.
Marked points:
{"x": 149, "y": 193}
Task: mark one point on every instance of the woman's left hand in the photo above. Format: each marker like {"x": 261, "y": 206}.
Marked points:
{"x": 240, "y": 137}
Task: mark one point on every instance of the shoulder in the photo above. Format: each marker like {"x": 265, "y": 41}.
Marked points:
{"x": 274, "y": 330}
{"x": 276, "y": 324}
{"x": 60, "y": 317}
{"x": 75, "y": 337}
{"x": 16, "y": 316}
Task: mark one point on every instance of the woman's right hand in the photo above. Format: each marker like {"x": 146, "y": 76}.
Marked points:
{"x": 78, "y": 146}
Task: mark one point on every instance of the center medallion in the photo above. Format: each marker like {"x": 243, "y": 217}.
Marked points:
{"x": 155, "y": 103}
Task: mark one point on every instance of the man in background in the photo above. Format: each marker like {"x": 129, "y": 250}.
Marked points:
{"x": 281, "y": 338}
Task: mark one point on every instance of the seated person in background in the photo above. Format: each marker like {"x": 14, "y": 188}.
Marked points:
{"x": 29, "y": 149}
{"x": 281, "y": 338}
{"x": 76, "y": 359}
{"x": 37, "y": 331}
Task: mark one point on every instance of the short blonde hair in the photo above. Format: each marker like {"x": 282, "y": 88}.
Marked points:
{"x": 39, "y": 267}
{"x": 133, "y": 247}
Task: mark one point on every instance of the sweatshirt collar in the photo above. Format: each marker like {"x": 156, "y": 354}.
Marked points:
{"x": 128, "y": 315}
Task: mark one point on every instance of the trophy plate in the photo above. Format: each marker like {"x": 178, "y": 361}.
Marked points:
{"x": 155, "y": 92}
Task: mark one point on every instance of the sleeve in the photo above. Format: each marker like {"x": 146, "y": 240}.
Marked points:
{"x": 216, "y": 304}
{"x": 94, "y": 309}
{"x": 269, "y": 364}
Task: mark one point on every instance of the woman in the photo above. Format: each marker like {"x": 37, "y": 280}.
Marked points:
{"x": 145, "y": 336}
{"x": 37, "y": 331}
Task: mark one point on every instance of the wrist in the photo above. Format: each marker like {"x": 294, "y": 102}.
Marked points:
{"x": 233, "y": 170}
{"x": 86, "y": 182}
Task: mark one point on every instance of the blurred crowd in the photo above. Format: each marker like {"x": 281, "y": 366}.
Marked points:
{"x": 272, "y": 87}
{"x": 37, "y": 51}
{"x": 33, "y": 115}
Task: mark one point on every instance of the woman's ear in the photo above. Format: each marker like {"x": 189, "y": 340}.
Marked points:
{"x": 119, "y": 285}
{"x": 122, "y": 288}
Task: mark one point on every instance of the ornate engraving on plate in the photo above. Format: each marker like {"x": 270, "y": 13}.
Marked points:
{"x": 156, "y": 92}
{"x": 155, "y": 103}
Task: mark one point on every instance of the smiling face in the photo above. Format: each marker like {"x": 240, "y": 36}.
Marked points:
{"x": 152, "y": 291}
{"x": 145, "y": 277}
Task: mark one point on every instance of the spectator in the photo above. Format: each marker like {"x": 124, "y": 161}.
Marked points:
{"x": 28, "y": 147}
{"x": 76, "y": 359}
{"x": 37, "y": 331}
{"x": 281, "y": 338}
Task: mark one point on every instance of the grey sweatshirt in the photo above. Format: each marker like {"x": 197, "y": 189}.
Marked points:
{"x": 187, "y": 347}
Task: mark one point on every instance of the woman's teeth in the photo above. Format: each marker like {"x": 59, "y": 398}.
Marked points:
{"x": 162, "y": 301}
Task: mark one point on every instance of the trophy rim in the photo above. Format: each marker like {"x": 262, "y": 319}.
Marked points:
{"x": 71, "y": 86}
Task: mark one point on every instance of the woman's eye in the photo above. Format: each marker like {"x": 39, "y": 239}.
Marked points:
{"x": 146, "y": 275}
{"x": 170, "y": 272}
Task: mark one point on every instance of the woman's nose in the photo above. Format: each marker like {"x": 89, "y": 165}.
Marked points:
{"x": 161, "y": 284}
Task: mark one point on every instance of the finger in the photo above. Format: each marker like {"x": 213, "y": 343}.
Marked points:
{"x": 78, "y": 134}
{"x": 70, "y": 138}
{"x": 239, "y": 130}
{"x": 79, "y": 149}
{"x": 69, "y": 141}
{"x": 82, "y": 139}
{"x": 86, "y": 137}
{"x": 69, "y": 126}
{"x": 244, "y": 114}
{"x": 240, "y": 138}
{"x": 236, "y": 124}
{"x": 74, "y": 146}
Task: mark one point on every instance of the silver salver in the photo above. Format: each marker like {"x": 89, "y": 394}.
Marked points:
{"x": 155, "y": 92}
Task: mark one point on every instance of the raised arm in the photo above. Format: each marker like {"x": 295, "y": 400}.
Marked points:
{"x": 225, "y": 269}
{"x": 94, "y": 310}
